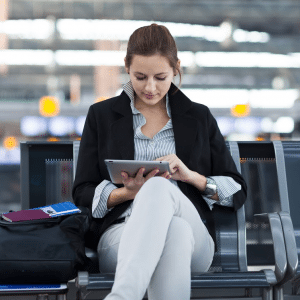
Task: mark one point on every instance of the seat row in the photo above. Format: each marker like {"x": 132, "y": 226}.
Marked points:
{"x": 257, "y": 246}
{"x": 256, "y": 253}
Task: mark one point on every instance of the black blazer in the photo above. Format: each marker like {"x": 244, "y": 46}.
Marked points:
{"x": 108, "y": 134}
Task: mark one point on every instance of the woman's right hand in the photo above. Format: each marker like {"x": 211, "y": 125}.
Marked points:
{"x": 133, "y": 184}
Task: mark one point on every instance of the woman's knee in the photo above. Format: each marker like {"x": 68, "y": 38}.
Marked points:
{"x": 157, "y": 182}
{"x": 180, "y": 236}
{"x": 108, "y": 259}
{"x": 156, "y": 186}
{"x": 108, "y": 248}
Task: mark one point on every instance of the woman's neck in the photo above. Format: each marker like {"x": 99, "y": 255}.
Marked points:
{"x": 141, "y": 106}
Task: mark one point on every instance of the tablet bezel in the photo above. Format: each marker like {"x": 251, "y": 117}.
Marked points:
{"x": 115, "y": 167}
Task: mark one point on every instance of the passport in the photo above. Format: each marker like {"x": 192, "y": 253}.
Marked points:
{"x": 25, "y": 215}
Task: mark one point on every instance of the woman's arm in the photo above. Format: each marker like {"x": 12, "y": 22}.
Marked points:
{"x": 118, "y": 196}
{"x": 179, "y": 171}
{"x": 131, "y": 187}
{"x": 199, "y": 181}
{"x": 87, "y": 176}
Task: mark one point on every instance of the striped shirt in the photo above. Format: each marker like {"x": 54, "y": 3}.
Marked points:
{"x": 145, "y": 148}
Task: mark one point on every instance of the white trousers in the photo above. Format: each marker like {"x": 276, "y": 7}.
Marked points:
{"x": 157, "y": 247}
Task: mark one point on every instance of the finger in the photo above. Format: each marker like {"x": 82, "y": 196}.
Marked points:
{"x": 124, "y": 175}
{"x": 160, "y": 158}
{"x": 174, "y": 166}
{"x": 140, "y": 173}
{"x": 164, "y": 158}
{"x": 174, "y": 170}
{"x": 165, "y": 174}
{"x": 152, "y": 173}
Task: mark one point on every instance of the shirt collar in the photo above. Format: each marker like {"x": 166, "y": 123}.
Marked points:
{"x": 128, "y": 89}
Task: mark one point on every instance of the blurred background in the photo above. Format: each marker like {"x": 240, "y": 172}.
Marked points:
{"x": 241, "y": 58}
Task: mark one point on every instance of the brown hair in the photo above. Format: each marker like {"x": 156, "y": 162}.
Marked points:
{"x": 151, "y": 40}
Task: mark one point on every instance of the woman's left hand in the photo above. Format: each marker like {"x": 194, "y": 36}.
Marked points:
{"x": 179, "y": 171}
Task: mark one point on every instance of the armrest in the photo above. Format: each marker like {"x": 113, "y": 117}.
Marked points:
{"x": 290, "y": 245}
{"x": 278, "y": 242}
{"x": 91, "y": 253}
{"x": 93, "y": 265}
{"x": 82, "y": 279}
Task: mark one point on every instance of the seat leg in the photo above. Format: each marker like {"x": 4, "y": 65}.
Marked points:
{"x": 248, "y": 292}
{"x": 295, "y": 287}
{"x": 267, "y": 294}
{"x": 42, "y": 297}
{"x": 61, "y": 297}
{"x": 278, "y": 293}
{"x": 79, "y": 294}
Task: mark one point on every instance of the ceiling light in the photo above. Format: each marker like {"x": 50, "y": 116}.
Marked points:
{"x": 88, "y": 29}
{"x": 284, "y": 125}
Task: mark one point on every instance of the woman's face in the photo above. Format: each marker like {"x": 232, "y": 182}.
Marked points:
{"x": 151, "y": 78}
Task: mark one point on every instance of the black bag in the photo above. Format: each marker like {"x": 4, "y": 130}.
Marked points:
{"x": 43, "y": 251}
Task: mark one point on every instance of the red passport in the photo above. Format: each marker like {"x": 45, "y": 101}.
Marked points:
{"x": 25, "y": 215}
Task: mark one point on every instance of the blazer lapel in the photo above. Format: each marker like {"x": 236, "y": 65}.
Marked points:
{"x": 122, "y": 128}
{"x": 185, "y": 127}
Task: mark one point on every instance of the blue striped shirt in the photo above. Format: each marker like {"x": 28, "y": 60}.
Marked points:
{"x": 145, "y": 148}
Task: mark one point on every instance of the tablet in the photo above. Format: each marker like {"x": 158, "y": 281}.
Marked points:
{"x": 131, "y": 167}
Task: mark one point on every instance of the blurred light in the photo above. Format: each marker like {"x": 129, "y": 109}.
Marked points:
{"x": 26, "y": 57}
{"x": 284, "y": 125}
{"x": 87, "y": 29}
{"x": 89, "y": 58}
{"x": 249, "y": 125}
{"x": 227, "y": 29}
{"x": 246, "y": 60}
{"x": 49, "y": 106}
{"x": 84, "y": 29}
{"x": 242, "y": 36}
{"x": 241, "y": 137}
{"x": 27, "y": 29}
{"x": 227, "y": 98}
{"x": 218, "y": 98}
{"x": 240, "y": 110}
{"x": 79, "y": 124}
{"x": 52, "y": 139}
{"x": 116, "y": 58}
{"x": 100, "y": 99}
{"x": 9, "y": 157}
{"x": 280, "y": 83}
{"x": 75, "y": 89}
{"x": 33, "y": 126}
{"x": 187, "y": 58}
{"x": 10, "y": 142}
{"x": 60, "y": 126}
{"x": 273, "y": 98}
{"x": 226, "y": 125}
{"x": 267, "y": 125}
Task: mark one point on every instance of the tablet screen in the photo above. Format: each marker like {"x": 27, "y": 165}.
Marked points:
{"x": 131, "y": 167}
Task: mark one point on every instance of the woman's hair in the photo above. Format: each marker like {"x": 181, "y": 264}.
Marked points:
{"x": 151, "y": 40}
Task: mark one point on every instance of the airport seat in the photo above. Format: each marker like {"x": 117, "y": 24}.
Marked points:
{"x": 291, "y": 159}
{"x": 252, "y": 237}
{"x": 229, "y": 276}
{"x": 34, "y": 291}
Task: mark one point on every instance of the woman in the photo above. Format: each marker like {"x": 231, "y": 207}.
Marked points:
{"x": 154, "y": 230}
